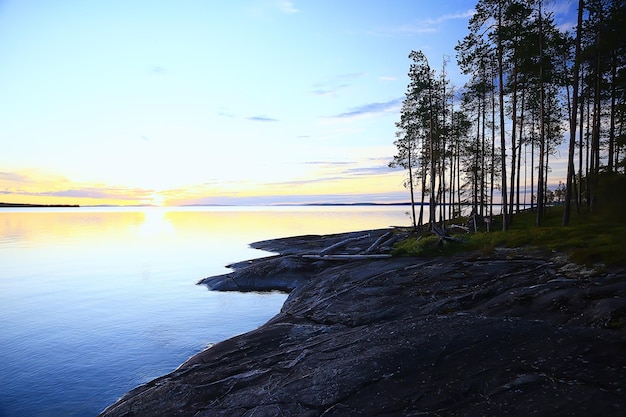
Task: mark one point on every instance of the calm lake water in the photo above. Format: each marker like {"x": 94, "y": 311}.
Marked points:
{"x": 95, "y": 301}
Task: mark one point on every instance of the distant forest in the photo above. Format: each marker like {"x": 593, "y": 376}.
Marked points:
{"x": 530, "y": 84}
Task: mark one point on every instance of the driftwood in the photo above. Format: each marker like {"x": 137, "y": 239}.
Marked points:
{"x": 378, "y": 242}
{"x": 325, "y": 254}
{"x": 344, "y": 257}
{"x": 443, "y": 235}
{"x": 387, "y": 243}
{"x": 458, "y": 226}
{"x": 344, "y": 242}
{"x": 477, "y": 222}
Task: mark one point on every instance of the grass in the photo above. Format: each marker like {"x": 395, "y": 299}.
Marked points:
{"x": 587, "y": 240}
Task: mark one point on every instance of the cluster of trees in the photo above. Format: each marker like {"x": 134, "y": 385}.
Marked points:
{"x": 531, "y": 85}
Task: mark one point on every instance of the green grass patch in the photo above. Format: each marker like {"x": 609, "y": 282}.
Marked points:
{"x": 586, "y": 240}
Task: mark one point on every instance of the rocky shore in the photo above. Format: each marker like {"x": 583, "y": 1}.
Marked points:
{"x": 515, "y": 333}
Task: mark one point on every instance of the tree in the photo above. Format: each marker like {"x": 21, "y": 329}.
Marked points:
{"x": 407, "y": 144}
{"x": 572, "y": 119}
{"x": 527, "y": 80}
{"x": 422, "y": 131}
{"x": 492, "y": 20}
{"x": 475, "y": 56}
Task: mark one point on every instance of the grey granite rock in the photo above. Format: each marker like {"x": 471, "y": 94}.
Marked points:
{"x": 514, "y": 333}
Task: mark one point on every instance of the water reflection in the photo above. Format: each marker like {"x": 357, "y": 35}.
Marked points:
{"x": 32, "y": 227}
{"x": 98, "y": 300}
{"x": 154, "y": 223}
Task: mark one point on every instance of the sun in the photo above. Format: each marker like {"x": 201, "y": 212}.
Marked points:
{"x": 156, "y": 199}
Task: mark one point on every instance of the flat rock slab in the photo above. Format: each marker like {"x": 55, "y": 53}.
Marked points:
{"x": 514, "y": 333}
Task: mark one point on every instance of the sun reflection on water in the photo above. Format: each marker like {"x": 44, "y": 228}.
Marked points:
{"x": 155, "y": 222}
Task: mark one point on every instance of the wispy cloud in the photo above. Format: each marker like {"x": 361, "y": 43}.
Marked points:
{"x": 371, "y": 109}
{"x": 225, "y": 113}
{"x": 286, "y": 6}
{"x": 157, "y": 69}
{"x": 328, "y": 163}
{"x": 348, "y": 169}
{"x": 265, "y": 8}
{"x": 367, "y": 171}
{"x": 262, "y": 118}
{"x": 31, "y": 183}
{"x": 329, "y": 90}
{"x": 113, "y": 193}
{"x": 297, "y": 199}
{"x": 12, "y": 177}
{"x": 332, "y": 86}
{"x": 565, "y": 15}
{"x": 454, "y": 16}
{"x": 430, "y": 25}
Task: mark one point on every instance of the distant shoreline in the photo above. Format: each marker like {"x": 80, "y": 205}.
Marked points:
{"x": 37, "y": 205}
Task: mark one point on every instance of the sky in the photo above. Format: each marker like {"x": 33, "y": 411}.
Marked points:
{"x": 247, "y": 102}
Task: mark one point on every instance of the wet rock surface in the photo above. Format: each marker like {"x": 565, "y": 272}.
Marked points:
{"x": 513, "y": 333}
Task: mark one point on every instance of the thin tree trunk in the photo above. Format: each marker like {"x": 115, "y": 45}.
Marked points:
{"x": 572, "y": 124}
{"x": 595, "y": 134}
{"x": 442, "y": 158}
{"x": 411, "y": 185}
{"x": 481, "y": 157}
{"x": 587, "y": 156}
{"x": 420, "y": 217}
{"x": 458, "y": 177}
{"x": 493, "y": 148}
{"x": 611, "y": 151}
{"x": 533, "y": 199}
{"x": 542, "y": 129}
{"x": 513, "y": 144}
{"x": 525, "y": 174}
{"x": 581, "y": 149}
{"x": 476, "y": 159}
{"x": 519, "y": 154}
{"x": 452, "y": 165}
{"x": 505, "y": 225}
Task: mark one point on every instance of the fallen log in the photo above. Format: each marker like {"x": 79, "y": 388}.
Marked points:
{"x": 346, "y": 257}
{"x": 443, "y": 236}
{"x": 378, "y": 242}
{"x": 341, "y": 243}
{"x": 458, "y": 226}
{"x": 389, "y": 242}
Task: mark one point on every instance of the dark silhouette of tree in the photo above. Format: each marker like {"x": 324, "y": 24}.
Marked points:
{"x": 572, "y": 118}
{"x": 528, "y": 79}
{"x": 429, "y": 136}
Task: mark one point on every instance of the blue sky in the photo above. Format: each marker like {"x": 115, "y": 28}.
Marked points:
{"x": 191, "y": 102}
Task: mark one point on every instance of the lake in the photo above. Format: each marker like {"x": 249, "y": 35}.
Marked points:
{"x": 95, "y": 301}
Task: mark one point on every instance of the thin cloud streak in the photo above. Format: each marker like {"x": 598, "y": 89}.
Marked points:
{"x": 426, "y": 25}
{"x": 128, "y": 194}
{"x": 454, "y": 16}
{"x": 262, "y": 118}
{"x": 371, "y": 109}
{"x": 37, "y": 184}
{"x": 330, "y": 91}
{"x": 300, "y": 199}
{"x": 287, "y": 7}
{"x": 334, "y": 85}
